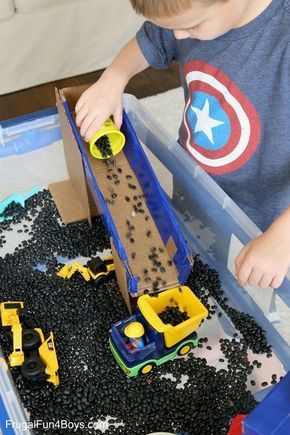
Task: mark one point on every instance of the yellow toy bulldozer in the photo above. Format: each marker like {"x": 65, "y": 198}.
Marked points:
{"x": 97, "y": 269}
{"x": 35, "y": 355}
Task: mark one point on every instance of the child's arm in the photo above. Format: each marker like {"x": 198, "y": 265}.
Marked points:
{"x": 104, "y": 98}
{"x": 266, "y": 259}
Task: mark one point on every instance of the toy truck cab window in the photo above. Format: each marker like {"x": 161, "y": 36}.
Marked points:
{"x": 140, "y": 353}
{"x": 129, "y": 353}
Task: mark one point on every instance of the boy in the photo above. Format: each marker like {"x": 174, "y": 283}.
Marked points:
{"x": 234, "y": 58}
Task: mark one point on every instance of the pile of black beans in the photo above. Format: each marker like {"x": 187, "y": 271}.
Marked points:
{"x": 173, "y": 316}
{"x": 80, "y": 315}
{"x": 104, "y": 146}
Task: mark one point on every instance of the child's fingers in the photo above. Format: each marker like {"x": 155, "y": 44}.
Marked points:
{"x": 118, "y": 118}
{"x": 265, "y": 280}
{"x": 240, "y": 258}
{"x": 81, "y": 116}
{"x": 79, "y": 104}
{"x": 244, "y": 273}
{"x": 254, "y": 277}
{"x": 244, "y": 268}
{"x": 87, "y": 121}
{"x": 95, "y": 125}
{"x": 277, "y": 281}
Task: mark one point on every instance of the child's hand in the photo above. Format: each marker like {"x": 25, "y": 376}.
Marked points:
{"x": 105, "y": 97}
{"x": 266, "y": 259}
{"x": 97, "y": 103}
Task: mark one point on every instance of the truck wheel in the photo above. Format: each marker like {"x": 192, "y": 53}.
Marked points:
{"x": 184, "y": 349}
{"x": 146, "y": 369}
{"x": 32, "y": 367}
{"x": 30, "y": 340}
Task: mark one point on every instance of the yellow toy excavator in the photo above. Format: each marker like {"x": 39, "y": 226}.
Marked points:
{"x": 97, "y": 269}
{"x": 35, "y": 355}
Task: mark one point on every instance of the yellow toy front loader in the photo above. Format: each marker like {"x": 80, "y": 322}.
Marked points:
{"x": 35, "y": 355}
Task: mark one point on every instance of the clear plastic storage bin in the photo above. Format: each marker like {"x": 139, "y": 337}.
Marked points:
{"x": 209, "y": 218}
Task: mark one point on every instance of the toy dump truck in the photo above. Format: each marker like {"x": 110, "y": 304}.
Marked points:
{"x": 161, "y": 341}
{"x": 35, "y": 355}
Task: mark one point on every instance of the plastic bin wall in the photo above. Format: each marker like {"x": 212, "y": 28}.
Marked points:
{"x": 29, "y": 132}
{"x": 272, "y": 415}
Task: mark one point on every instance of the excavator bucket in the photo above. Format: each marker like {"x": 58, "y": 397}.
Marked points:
{"x": 16, "y": 358}
{"x": 83, "y": 271}
{"x": 68, "y": 271}
{"x": 64, "y": 271}
{"x": 9, "y": 312}
{"x": 47, "y": 354}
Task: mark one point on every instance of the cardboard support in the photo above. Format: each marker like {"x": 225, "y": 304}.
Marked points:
{"x": 121, "y": 276}
{"x": 71, "y": 196}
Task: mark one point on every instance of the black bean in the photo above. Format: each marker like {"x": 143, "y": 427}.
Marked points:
{"x": 104, "y": 146}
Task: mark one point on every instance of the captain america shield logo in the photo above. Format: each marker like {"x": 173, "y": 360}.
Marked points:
{"x": 221, "y": 127}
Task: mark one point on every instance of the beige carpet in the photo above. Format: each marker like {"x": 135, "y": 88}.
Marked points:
{"x": 167, "y": 109}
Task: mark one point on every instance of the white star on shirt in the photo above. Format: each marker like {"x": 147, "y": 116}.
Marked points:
{"x": 204, "y": 122}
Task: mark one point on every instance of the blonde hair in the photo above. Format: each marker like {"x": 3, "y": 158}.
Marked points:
{"x": 165, "y": 8}
{"x": 160, "y": 8}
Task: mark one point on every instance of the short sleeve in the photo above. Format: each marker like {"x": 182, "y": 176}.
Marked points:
{"x": 157, "y": 45}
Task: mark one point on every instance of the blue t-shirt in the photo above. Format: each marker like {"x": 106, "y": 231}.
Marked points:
{"x": 236, "y": 122}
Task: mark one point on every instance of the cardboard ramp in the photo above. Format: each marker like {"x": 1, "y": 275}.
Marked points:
{"x": 148, "y": 258}
{"x": 149, "y": 250}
